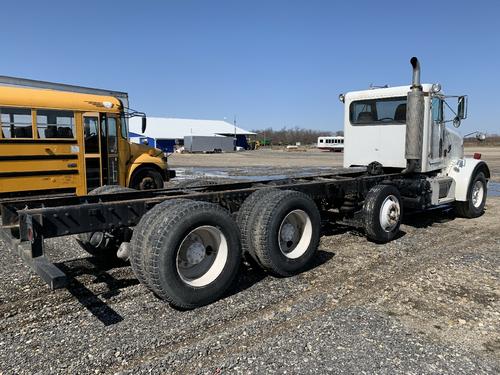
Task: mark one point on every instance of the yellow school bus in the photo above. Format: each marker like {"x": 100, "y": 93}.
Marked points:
{"x": 57, "y": 138}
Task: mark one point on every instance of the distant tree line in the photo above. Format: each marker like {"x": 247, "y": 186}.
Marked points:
{"x": 290, "y": 136}
{"x": 491, "y": 140}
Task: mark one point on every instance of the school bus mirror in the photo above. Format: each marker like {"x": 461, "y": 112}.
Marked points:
{"x": 144, "y": 124}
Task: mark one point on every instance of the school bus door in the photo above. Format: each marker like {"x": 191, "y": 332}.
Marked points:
{"x": 101, "y": 150}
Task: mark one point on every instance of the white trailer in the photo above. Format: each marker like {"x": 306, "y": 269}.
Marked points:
{"x": 216, "y": 143}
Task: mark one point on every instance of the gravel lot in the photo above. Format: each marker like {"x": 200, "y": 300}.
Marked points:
{"x": 428, "y": 302}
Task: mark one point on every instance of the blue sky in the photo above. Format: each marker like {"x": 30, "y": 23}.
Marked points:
{"x": 270, "y": 63}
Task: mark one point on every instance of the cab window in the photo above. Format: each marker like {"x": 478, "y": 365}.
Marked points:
{"x": 378, "y": 111}
{"x": 437, "y": 109}
{"x": 16, "y": 123}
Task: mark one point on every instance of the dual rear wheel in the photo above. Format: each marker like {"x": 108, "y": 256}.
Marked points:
{"x": 189, "y": 252}
{"x": 280, "y": 230}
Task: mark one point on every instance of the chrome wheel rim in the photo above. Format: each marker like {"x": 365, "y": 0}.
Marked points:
{"x": 295, "y": 234}
{"x": 477, "y": 194}
{"x": 202, "y": 255}
{"x": 390, "y": 211}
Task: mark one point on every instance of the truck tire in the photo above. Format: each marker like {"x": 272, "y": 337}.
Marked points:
{"x": 246, "y": 215}
{"x": 140, "y": 244}
{"x": 382, "y": 213}
{"x": 476, "y": 198}
{"x": 104, "y": 245}
{"x": 286, "y": 232}
{"x": 146, "y": 178}
{"x": 195, "y": 254}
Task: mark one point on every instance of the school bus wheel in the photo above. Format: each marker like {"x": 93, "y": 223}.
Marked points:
{"x": 146, "y": 178}
{"x": 104, "y": 245}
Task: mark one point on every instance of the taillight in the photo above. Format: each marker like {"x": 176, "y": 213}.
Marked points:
{"x": 477, "y": 155}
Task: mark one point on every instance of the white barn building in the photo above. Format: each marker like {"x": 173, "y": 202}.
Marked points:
{"x": 165, "y": 133}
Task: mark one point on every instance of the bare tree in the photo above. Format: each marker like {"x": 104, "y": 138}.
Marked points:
{"x": 290, "y": 136}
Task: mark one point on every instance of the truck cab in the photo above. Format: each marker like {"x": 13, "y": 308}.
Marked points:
{"x": 375, "y": 129}
{"x": 405, "y": 130}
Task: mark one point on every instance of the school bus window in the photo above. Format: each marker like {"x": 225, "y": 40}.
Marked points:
{"x": 112, "y": 140}
{"x": 55, "y": 124}
{"x": 124, "y": 129}
{"x": 91, "y": 131}
{"x": 16, "y": 123}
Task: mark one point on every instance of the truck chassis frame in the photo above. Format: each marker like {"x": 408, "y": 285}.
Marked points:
{"x": 26, "y": 223}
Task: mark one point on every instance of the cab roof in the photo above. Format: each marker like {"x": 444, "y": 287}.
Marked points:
{"x": 387, "y": 92}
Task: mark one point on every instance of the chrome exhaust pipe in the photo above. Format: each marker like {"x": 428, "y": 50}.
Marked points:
{"x": 414, "y": 121}
{"x": 416, "y": 73}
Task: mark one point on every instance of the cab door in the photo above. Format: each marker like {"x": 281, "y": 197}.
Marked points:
{"x": 437, "y": 131}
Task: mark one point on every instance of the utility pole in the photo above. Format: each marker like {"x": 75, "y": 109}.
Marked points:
{"x": 234, "y": 122}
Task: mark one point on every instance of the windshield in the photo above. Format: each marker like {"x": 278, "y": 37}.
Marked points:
{"x": 378, "y": 111}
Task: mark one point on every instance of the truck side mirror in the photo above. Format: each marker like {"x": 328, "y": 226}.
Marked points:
{"x": 143, "y": 125}
{"x": 462, "y": 107}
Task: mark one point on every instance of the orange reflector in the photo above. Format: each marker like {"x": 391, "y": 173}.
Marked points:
{"x": 477, "y": 155}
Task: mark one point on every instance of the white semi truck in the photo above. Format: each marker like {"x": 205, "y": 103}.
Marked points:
{"x": 186, "y": 244}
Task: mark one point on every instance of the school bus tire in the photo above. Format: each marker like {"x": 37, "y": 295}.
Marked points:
{"x": 146, "y": 178}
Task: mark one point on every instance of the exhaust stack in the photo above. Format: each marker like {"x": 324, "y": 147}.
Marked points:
{"x": 414, "y": 121}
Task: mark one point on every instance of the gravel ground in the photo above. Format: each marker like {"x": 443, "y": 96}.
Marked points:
{"x": 427, "y": 302}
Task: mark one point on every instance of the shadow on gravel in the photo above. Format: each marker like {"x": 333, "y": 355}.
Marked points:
{"x": 424, "y": 219}
{"x": 319, "y": 259}
{"x": 98, "y": 269}
{"x": 251, "y": 273}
